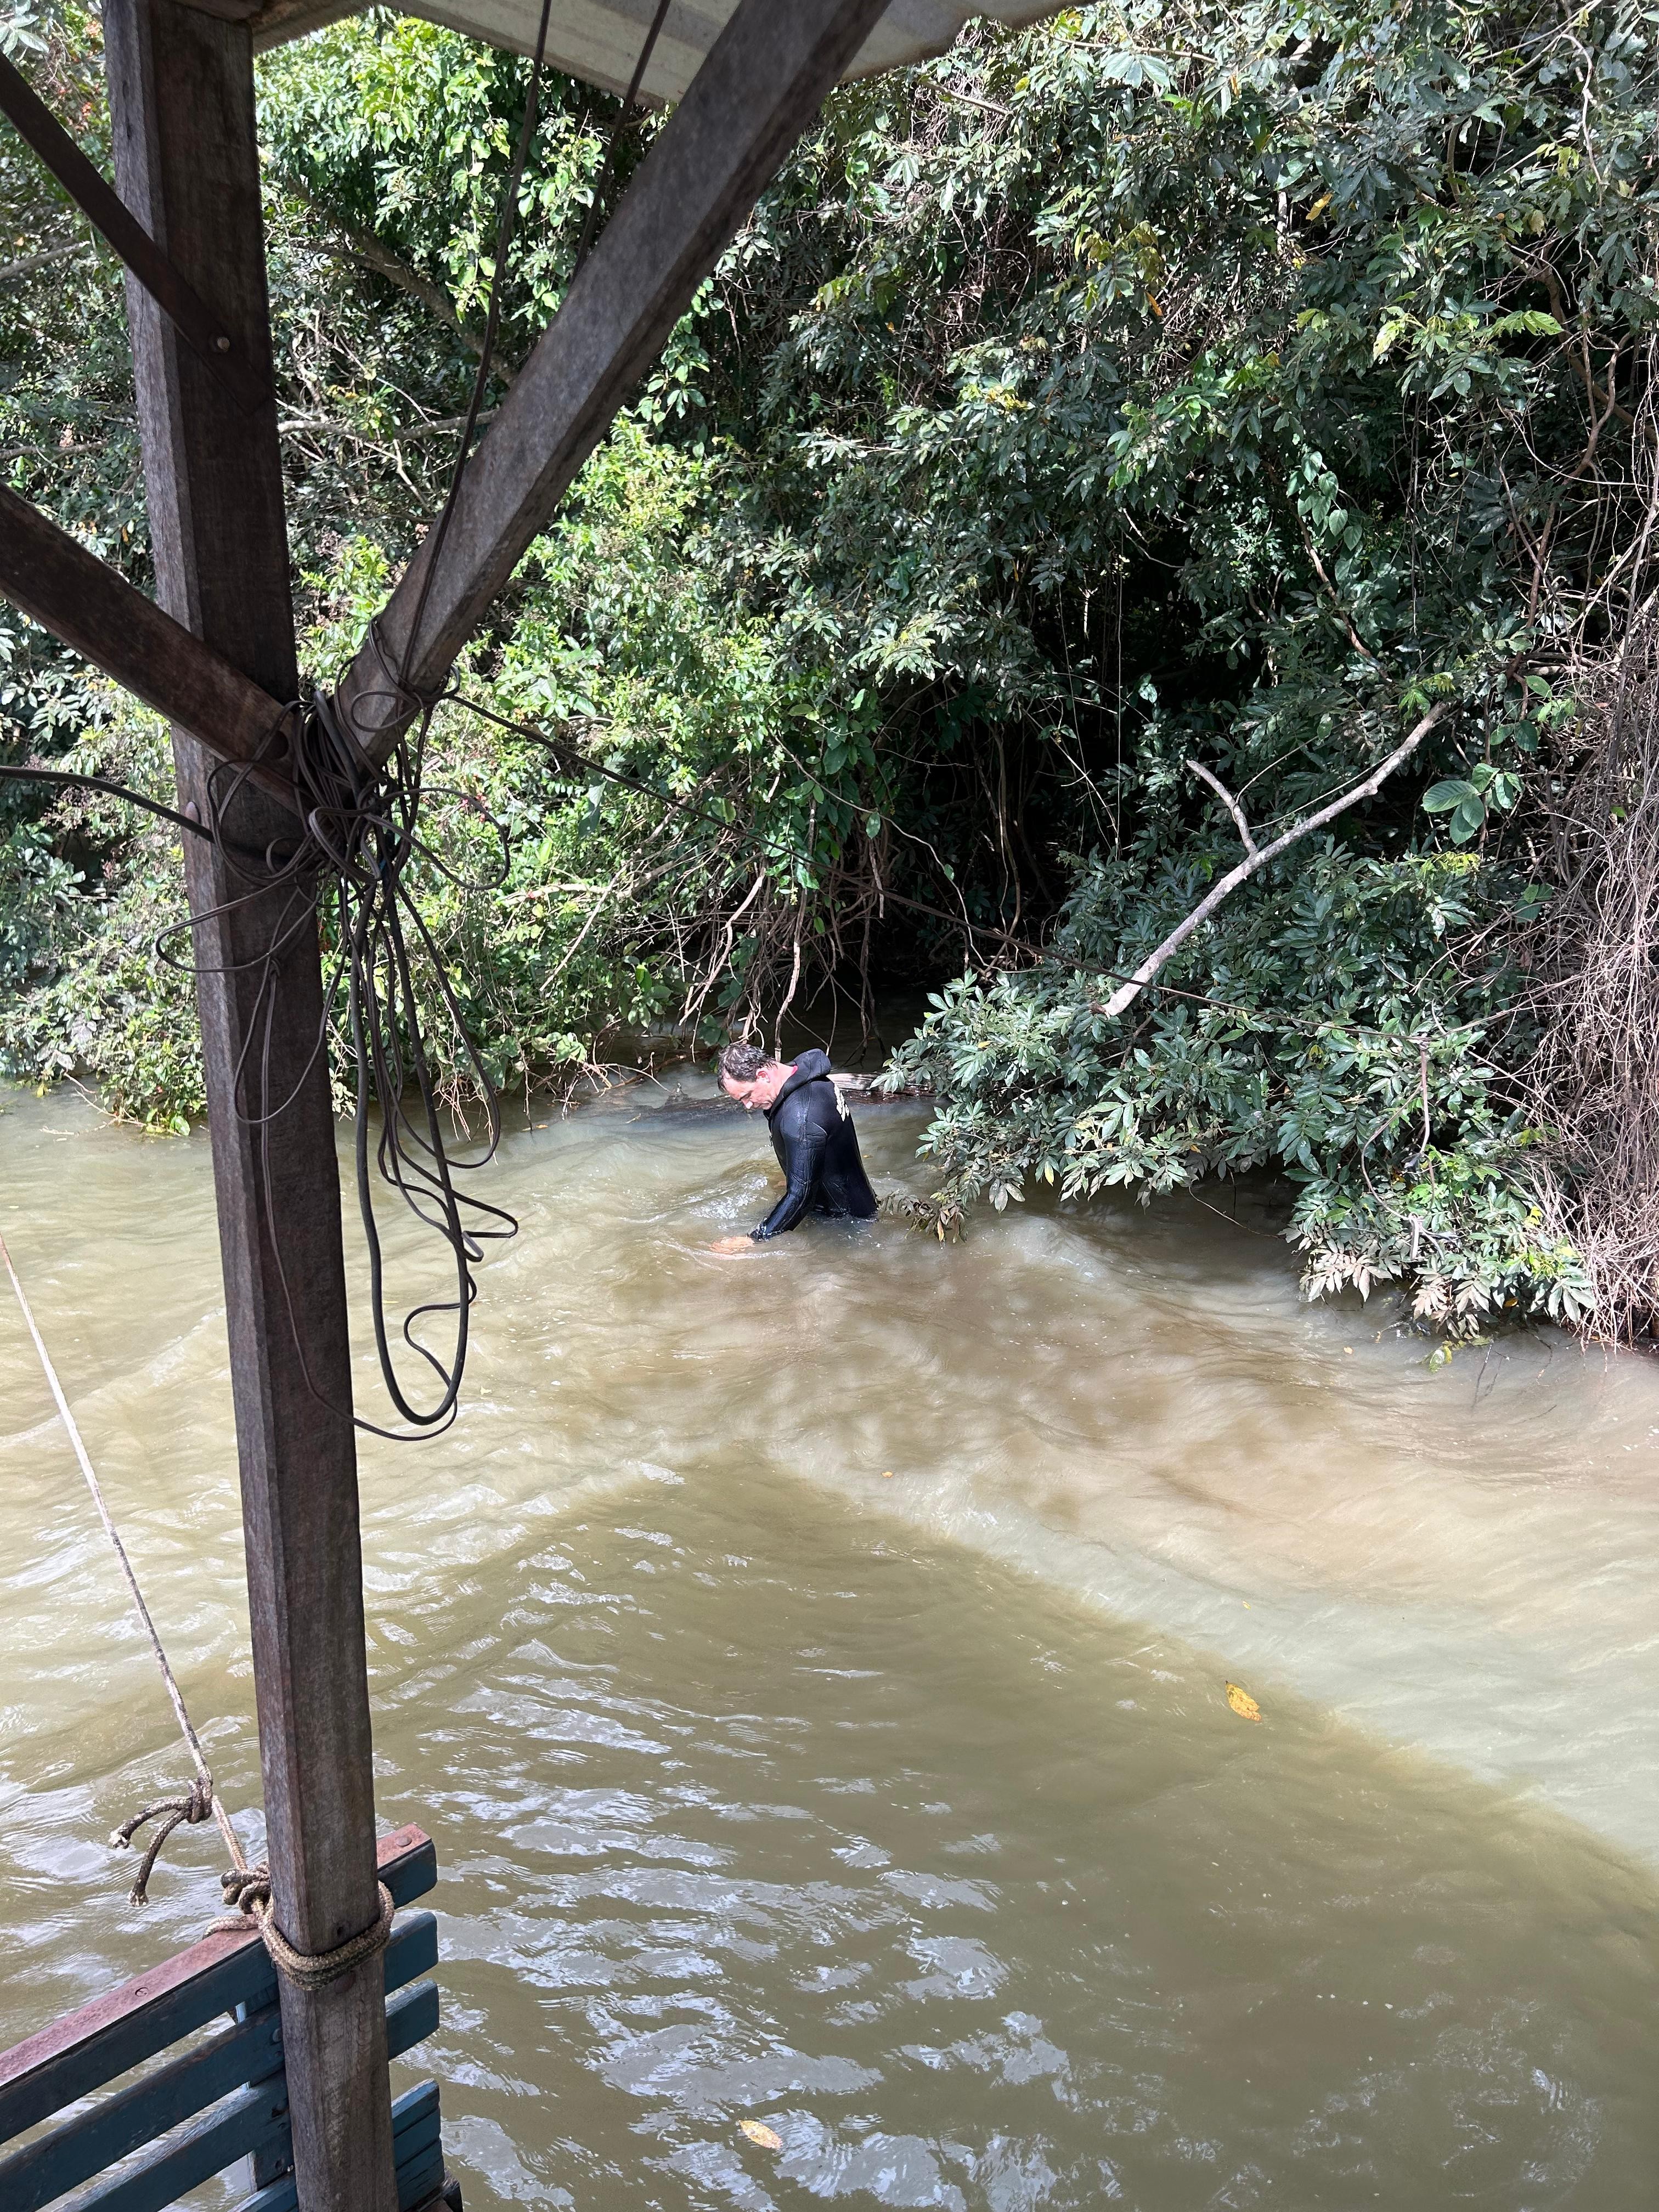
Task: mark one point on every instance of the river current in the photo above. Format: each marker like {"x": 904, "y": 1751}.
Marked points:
{"x": 811, "y": 1668}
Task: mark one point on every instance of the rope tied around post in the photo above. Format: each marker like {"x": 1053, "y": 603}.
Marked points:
{"x": 248, "y": 1890}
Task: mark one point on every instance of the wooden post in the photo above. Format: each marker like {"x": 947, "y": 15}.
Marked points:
{"x": 181, "y": 97}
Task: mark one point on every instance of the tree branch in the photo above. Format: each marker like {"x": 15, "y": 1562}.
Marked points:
{"x": 364, "y": 248}
{"x": 1228, "y": 801}
{"x": 33, "y": 261}
{"x": 1259, "y": 858}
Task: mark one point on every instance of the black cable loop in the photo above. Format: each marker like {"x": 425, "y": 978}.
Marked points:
{"x": 346, "y": 870}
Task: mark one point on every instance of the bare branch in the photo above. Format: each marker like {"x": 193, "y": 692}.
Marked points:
{"x": 321, "y": 426}
{"x": 33, "y": 261}
{"x": 1228, "y": 801}
{"x": 363, "y": 246}
{"x": 1330, "y": 591}
{"x": 1259, "y": 858}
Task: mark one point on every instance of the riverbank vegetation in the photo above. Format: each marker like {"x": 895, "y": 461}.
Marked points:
{"x": 1102, "y": 449}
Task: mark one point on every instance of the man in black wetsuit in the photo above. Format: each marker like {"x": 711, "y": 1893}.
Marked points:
{"x": 817, "y": 1146}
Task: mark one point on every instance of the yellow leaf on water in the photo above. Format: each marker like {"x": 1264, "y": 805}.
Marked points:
{"x": 758, "y": 2132}
{"x": 1243, "y": 1703}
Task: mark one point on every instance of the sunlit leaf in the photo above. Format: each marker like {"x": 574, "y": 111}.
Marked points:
{"x": 758, "y": 2132}
{"x": 1441, "y": 797}
{"x": 1243, "y": 1703}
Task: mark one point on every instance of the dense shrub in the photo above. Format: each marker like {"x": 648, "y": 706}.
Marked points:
{"x": 1156, "y": 385}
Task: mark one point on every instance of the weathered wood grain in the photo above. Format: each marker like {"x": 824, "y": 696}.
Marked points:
{"x": 235, "y": 2128}
{"x": 244, "y": 2054}
{"x": 760, "y": 86}
{"x": 103, "y": 2040}
{"x": 201, "y": 328}
{"x": 92, "y": 607}
{"x": 182, "y": 109}
{"x": 90, "y": 2142}
{"x": 415, "y": 2146}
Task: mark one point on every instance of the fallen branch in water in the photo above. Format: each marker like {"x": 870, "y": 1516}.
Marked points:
{"x": 1258, "y": 857}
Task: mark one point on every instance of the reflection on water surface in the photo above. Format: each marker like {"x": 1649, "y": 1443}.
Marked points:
{"x": 767, "y": 1786}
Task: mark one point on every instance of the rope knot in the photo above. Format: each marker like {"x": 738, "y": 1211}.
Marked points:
{"x": 247, "y": 1890}
{"x": 188, "y": 1811}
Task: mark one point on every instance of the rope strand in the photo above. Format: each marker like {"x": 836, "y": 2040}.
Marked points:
{"x": 246, "y": 1887}
{"x": 203, "y": 1792}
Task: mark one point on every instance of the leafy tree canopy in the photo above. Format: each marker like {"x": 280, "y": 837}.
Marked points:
{"x": 1228, "y": 384}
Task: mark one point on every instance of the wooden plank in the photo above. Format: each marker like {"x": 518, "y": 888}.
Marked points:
{"x": 415, "y": 2138}
{"x": 187, "y": 164}
{"x": 92, "y": 607}
{"x": 412, "y": 1950}
{"x": 410, "y": 2017}
{"x": 197, "y": 323}
{"x": 420, "y": 2178}
{"x": 279, "y": 21}
{"x": 81, "y": 2053}
{"x": 90, "y": 2142}
{"x": 234, "y": 2129}
{"x": 89, "y": 2047}
{"x": 759, "y": 89}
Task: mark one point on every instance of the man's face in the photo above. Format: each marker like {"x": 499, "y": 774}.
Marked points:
{"x": 762, "y": 1093}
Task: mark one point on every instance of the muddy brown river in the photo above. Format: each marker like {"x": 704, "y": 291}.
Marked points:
{"x": 811, "y": 1665}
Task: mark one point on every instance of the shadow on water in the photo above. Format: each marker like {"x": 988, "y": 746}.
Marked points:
{"x": 811, "y": 1666}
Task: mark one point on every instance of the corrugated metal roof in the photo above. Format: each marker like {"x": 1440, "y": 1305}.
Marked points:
{"x": 600, "y": 39}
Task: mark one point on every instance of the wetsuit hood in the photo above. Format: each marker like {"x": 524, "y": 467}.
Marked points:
{"x": 811, "y": 1068}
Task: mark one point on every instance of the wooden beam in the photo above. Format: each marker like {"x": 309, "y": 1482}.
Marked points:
{"x": 92, "y": 607}
{"x": 201, "y": 330}
{"x": 279, "y": 21}
{"x": 759, "y": 89}
{"x": 182, "y": 105}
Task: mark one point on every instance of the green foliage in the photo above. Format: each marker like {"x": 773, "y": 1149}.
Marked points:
{"x": 96, "y": 1000}
{"x": 1276, "y": 345}
{"x": 1326, "y": 1046}
{"x": 566, "y": 908}
{"x": 1159, "y": 384}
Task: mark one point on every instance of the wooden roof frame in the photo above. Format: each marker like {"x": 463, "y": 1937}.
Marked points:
{"x": 763, "y": 81}
{"x": 216, "y": 654}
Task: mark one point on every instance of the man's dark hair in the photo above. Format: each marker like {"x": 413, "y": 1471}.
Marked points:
{"x": 742, "y": 1063}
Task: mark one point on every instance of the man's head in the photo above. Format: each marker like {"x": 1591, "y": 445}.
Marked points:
{"x": 752, "y": 1077}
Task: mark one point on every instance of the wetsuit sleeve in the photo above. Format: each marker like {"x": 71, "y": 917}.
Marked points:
{"x": 805, "y": 1143}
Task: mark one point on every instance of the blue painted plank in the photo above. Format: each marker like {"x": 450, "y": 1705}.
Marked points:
{"x": 244, "y": 2123}
{"x": 275, "y": 2197}
{"x": 418, "y": 2185}
{"x": 103, "y": 2040}
{"x": 239, "y": 1973}
{"x": 93, "y": 2142}
{"x": 414, "y": 2132}
{"x": 411, "y": 2110}
{"x": 412, "y": 1949}
{"x": 411, "y": 2016}
{"x": 412, "y": 2143}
